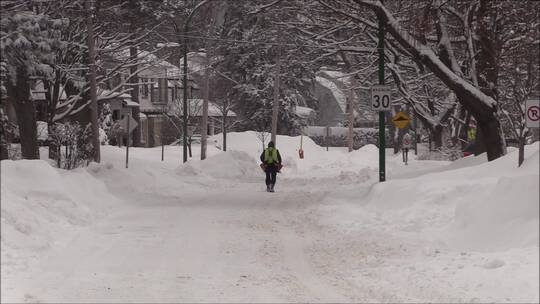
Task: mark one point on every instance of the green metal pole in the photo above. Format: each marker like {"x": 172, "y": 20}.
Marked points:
{"x": 185, "y": 105}
{"x": 382, "y": 143}
{"x": 185, "y": 81}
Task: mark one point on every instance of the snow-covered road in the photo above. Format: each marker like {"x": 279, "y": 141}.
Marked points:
{"x": 238, "y": 244}
{"x": 208, "y": 232}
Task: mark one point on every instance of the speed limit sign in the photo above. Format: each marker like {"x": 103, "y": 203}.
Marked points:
{"x": 381, "y": 98}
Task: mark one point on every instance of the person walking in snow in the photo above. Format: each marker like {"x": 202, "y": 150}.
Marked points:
{"x": 407, "y": 144}
{"x": 271, "y": 164}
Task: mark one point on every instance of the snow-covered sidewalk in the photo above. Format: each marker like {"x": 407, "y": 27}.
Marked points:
{"x": 208, "y": 232}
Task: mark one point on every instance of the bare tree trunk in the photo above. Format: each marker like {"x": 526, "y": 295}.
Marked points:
{"x": 437, "y": 137}
{"x": 477, "y": 102}
{"x": 3, "y": 149}
{"x": 521, "y": 156}
{"x": 135, "y": 98}
{"x": 224, "y": 131}
{"x": 4, "y": 137}
{"x": 351, "y": 116}
{"x": 26, "y": 114}
{"x": 275, "y": 108}
{"x": 189, "y": 147}
{"x": 93, "y": 87}
{"x": 52, "y": 95}
{"x": 206, "y": 92}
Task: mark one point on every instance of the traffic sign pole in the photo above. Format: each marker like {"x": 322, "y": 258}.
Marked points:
{"x": 382, "y": 144}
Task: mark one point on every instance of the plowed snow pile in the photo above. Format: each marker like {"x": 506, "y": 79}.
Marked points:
{"x": 41, "y": 205}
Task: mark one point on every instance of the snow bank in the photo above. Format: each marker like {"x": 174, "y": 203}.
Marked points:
{"x": 470, "y": 205}
{"x": 503, "y": 218}
{"x": 232, "y": 164}
{"x": 288, "y": 146}
{"x": 41, "y": 204}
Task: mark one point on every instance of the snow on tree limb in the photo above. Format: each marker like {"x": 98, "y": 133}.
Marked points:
{"x": 424, "y": 54}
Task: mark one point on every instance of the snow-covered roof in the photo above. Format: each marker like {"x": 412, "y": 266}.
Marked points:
{"x": 336, "y": 75}
{"x": 154, "y": 67}
{"x": 38, "y": 92}
{"x": 338, "y": 94}
{"x": 130, "y": 103}
{"x": 304, "y": 112}
{"x": 196, "y": 62}
{"x": 171, "y": 84}
{"x": 195, "y": 108}
{"x": 108, "y": 94}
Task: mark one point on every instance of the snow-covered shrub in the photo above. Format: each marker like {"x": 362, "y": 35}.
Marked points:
{"x": 450, "y": 153}
{"x": 339, "y": 136}
{"x": 105, "y": 123}
{"x": 74, "y": 144}
{"x": 8, "y": 131}
{"x": 14, "y": 151}
{"x": 42, "y": 132}
{"x": 103, "y": 138}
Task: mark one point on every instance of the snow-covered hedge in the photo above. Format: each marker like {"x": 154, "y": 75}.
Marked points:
{"x": 338, "y": 136}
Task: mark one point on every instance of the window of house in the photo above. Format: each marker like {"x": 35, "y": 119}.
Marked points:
{"x": 163, "y": 90}
{"x": 145, "y": 88}
{"x": 154, "y": 93}
{"x": 141, "y": 87}
{"x": 115, "y": 115}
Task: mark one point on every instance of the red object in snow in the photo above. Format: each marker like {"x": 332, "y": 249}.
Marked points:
{"x": 301, "y": 153}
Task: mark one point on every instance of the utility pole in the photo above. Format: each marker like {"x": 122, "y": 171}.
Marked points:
{"x": 382, "y": 143}
{"x": 275, "y": 108}
{"x": 92, "y": 76}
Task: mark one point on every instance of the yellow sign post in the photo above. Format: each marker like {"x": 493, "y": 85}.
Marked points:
{"x": 401, "y": 120}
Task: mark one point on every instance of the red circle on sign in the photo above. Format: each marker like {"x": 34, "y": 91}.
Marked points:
{"x": 533, "y": 113}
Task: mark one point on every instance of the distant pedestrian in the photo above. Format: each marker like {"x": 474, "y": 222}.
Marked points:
{"x": 271, "y": 164}
{"x": 406, "y": 145}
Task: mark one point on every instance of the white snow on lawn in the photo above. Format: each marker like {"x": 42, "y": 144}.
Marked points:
{"x": 206, "y": 231}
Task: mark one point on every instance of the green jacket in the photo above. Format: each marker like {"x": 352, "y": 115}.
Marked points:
{"x": 271, "y": 156}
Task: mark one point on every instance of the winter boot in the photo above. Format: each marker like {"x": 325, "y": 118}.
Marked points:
{"x": 271, "y": 187}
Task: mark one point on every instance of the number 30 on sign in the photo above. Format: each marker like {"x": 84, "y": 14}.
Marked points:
{"x": 381, "y": 98}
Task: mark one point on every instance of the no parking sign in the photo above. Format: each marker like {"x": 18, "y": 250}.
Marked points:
{"x": 532, "y": 113}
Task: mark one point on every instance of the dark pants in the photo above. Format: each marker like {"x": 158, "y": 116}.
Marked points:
{"x": 405, "y": 154}
{"x": 271, "y": 172}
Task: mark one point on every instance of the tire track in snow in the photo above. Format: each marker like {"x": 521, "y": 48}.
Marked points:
{"x": 294, "y": 240}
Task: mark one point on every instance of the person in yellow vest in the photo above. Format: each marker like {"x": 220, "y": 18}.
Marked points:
{"x": 271, "y": 163}
{"x": 471, "y": 134}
